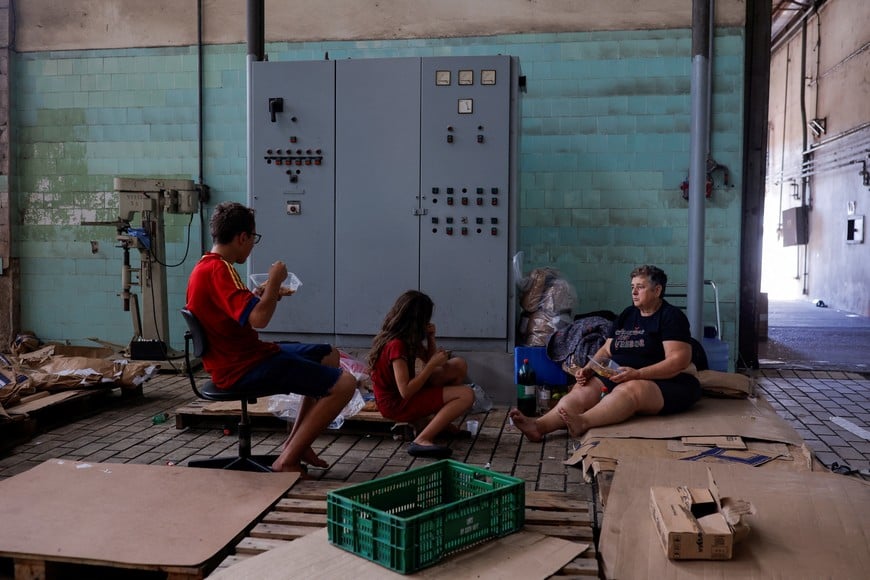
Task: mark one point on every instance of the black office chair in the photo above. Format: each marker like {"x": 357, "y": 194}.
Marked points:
{"x": 209, "y": 391}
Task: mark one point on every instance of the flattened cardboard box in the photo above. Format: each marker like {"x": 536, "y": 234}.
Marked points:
{"x": 692, "y": 523}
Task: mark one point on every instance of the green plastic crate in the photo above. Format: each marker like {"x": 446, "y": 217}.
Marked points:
{"x": 411, "y": 520}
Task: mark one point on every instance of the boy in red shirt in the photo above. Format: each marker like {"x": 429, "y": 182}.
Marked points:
{"x": 229, "y": 314}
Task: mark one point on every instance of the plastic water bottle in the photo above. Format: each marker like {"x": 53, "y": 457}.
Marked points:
{"x": 526, "y": 389}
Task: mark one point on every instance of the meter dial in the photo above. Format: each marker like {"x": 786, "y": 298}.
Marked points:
{"x": 442, "y": 77}
{"x": 487, "y": 77}
{"x": 466, "y": 77}
{"x": 466, "y": 106}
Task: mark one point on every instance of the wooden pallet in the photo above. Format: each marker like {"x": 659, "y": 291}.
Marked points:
{"x": 205, "y": 414}
{"x": 302, "y": 510}
{"x": 45, "y": 410}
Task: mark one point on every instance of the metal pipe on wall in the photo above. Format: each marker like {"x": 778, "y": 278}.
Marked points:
{"x": 699, "y": 136}
{"x": 256, "y": 52}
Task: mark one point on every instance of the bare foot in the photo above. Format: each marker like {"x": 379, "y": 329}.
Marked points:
{"x": 311, "y": 458}
{"x": 577, "y": 425}
{"x": 527, "y": 425}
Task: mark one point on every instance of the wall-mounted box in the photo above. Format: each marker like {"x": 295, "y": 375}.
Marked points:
{"x": 795, "y": 226}
{"x": 855, "y": 230}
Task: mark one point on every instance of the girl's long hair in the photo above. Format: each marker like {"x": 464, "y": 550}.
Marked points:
{"x": 406, "y": 321}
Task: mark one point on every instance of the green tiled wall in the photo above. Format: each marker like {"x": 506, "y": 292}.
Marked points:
{"x": 604, "y": 146}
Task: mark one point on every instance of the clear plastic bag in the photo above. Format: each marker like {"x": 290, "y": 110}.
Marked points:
{"x": 547, "y": 300}
{"x": 287, "y": 407}
{"x": 482, "y": 402}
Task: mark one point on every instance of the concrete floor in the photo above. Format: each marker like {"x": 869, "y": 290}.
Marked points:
{"x": 815, "y": 371}
{"x": 829, "y": 408}
{"x": 804, "y": 336}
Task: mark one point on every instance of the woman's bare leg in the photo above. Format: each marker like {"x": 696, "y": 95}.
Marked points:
{"x": 457, "y": 400}
{"x": 576, "y": 401}
{"x": 630, "y": 398}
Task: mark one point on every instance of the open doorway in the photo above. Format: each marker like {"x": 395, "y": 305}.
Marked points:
{"x": 804, "y": 332}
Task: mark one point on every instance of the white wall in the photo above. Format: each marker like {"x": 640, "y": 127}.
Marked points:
{"x": 837, "y": 88}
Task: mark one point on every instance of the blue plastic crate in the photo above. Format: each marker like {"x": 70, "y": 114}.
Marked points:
{"x": 548, "y": 372}
{"x": 717, "y": 354}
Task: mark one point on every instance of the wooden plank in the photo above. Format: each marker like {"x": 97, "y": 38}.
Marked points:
{"x": 298, "y": 518}
{"x": 314, "y": 488}
{"x": 557, "y": 518}
{"x": 302, "y": 505}
{"x": 282, "y": 531}
{"x": 257, "y": 545}
{"x": 35, "y": 396}
{"x": 231, "y": 560}
{"x": 548, "y": 500}
{"x": 42, "y": 402}
{"x": 571, "y": 533}
{"x": 29, "y": 569}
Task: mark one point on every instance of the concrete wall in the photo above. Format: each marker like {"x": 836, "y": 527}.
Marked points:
{"x": 836, "y": 88}
{"x": 604, "y": 140}
{"x": 79, "y": 24}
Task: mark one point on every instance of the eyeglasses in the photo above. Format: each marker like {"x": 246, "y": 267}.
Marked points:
{"x": 257, "y": 238}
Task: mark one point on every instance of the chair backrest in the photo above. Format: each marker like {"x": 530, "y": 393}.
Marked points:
{"x": 197, "y": 334}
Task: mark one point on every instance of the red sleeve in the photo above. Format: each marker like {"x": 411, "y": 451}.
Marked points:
{"x": 230, "y": 293}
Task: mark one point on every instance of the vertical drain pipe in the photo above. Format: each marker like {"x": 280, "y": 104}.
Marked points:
{"x": 256, "y": 53}
{"x": 699, "y": 138}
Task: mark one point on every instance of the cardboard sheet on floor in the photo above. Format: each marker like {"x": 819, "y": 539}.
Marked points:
{"x": 109, "y": 513}
{"x": 526, "y": 555}
{"x": 807, "y": 525}
{"x": 604, "y": 454}
{"x": 748, "y": 418}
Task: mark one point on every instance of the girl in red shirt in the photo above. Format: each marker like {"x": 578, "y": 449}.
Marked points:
{"x": 405, "y": 395}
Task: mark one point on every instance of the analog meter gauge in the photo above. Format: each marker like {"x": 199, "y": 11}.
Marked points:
{"x": 466, "y": 77}
{"x": 487, "y": 77}
{"x": 442, "y": 78}
{"x": 466, "y": 106}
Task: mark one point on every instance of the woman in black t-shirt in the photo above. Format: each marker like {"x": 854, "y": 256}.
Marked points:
{"x": 650, "y": 345}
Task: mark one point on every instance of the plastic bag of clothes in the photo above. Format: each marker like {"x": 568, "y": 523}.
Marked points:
{"x": 286, "y": 407}
{"x": 547, "y": 300}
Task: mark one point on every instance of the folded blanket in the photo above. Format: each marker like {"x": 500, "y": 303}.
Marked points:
{"x": 582, "y": 339}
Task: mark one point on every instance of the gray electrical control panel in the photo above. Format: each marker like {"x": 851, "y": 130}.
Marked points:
{"x": 371, "y": 177}
{"x": 292, "y": 156}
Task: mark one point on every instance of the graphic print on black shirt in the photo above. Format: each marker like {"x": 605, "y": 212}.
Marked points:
{"x": 638, "y": 340}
